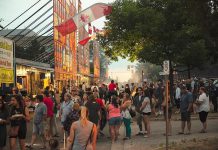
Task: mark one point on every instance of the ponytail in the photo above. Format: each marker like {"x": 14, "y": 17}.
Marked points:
{"x": 83, "y": 116}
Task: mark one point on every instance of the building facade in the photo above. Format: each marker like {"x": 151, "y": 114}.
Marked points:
{"x": 65, "y": 52}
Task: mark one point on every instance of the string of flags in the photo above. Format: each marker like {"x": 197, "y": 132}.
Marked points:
{"x": 92, "y": 31}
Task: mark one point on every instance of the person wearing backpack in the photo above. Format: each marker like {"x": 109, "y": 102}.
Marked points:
{"x": 71, "y": 117}
{"x": 137, "y": 102}
{"x": 125, "y": 107}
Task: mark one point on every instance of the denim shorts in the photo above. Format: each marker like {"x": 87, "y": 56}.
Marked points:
{"x": 38, "y": 129}
{"x": 115, "y": 121}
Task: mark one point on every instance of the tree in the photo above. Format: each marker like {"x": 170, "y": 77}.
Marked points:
{"x": 150, "y": 71}
{"x": 153, "y": 31}
{"x": 31, "y": 52}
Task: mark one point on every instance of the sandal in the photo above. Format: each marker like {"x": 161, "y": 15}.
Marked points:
{"x": 180, "y": 133}
{"x": 168, "y": 134}
{"x": 188, "y": 133}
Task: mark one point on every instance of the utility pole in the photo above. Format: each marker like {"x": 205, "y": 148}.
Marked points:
{"x": 142, "y": 75}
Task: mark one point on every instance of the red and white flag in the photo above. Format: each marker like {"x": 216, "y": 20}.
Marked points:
{"x": 90, "y": 28}
{"x": 84, "y": 17}
{"x": 84, "y": 41}
{"x": 95, "y": 29}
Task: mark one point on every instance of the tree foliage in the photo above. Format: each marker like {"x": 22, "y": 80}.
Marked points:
{"x": 31, "y": 52}
{"x": 155, "y": 30}
{"x": 150, "y": 71}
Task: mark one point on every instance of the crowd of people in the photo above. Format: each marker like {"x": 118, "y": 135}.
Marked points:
{"x": 84, "y": 112}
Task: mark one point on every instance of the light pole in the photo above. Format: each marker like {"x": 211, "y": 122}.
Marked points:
{"x": 142, "y": 75}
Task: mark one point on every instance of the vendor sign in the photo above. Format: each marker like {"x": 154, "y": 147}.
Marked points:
{"x": 6, "y": 61}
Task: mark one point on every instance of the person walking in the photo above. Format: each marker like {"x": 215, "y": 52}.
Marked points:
{"x": 126, "y": 106}
{"x": 111, "y": 89}
{"x": 85, "y": 99}
{"x": 186, "y": 104}
{"x": 137, "y": 102}
{"x": 71, "y": 117}
{"x": 50, "y": 113}
{"x": 66, "y": 108}
{"x": 19, "y": 116}
{"x": 203, "y": 107}
{"x": 55, "y": 111}
{"x": 159, "y": 95}
{"x": 146, "y": 111}
{"x": 83, "y": 133}
{"x": 177, "y": 98}
{"x": 114, "y": 117}
{"x": 40, "y": 116}
{"x": 127, "y": 89}
{"x": 94, "y": 111}
{"x": 4, "y": 120}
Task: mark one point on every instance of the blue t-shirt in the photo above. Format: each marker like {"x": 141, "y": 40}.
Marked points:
{"x": 40, "y": 112}
{"x": 66, "y": 108}
{"x": 186, "y": 99}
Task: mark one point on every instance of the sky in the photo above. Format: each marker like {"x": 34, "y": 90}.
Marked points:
{"x": 10, "y": 9}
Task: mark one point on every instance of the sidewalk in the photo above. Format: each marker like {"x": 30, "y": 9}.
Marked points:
{"x": 157, "y": 139}
{"x": 177, "y": 117}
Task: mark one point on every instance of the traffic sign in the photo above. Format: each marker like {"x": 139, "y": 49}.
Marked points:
{"x": 166, "y": 67}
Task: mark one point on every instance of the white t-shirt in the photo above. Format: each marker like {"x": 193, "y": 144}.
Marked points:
{"x": 205, "y": 105}
{"x": 178, "y": 93}
{"x": 147, "y": 108}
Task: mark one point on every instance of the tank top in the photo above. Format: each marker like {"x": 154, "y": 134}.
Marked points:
{"x": 82, "y": 136}
{"x": 17, "y": 122}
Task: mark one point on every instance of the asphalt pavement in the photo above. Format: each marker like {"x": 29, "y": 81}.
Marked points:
{"x": 139, "y": 142}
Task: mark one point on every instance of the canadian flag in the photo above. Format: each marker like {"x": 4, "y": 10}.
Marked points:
{"x": 95, "y": 29}
{"x": 84, "y": 41}
{"x": 84, "y": 17}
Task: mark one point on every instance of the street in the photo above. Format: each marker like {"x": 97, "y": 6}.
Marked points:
{"x": 139, "y": 142}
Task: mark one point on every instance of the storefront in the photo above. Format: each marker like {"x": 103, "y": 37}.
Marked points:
{"x": 33, "y": 76}
{"x": 6, "y": 66}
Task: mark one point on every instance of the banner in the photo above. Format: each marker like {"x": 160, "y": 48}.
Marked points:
{"x": 6, "y": 75}
{"x": 6, "y": 61}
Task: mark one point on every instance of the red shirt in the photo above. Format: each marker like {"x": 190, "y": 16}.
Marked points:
{"x": 100, "y": 102}
{"x": 49, "y": 104}
{"x": 112, "y": 87}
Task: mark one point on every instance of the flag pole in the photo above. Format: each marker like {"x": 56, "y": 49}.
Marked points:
{"x": 77, "y": 40}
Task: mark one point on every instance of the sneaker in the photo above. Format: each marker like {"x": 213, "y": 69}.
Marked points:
{"x": 139, "y": 133}
{"x": 146, "y": 136}
{"x": 29, "y": 146}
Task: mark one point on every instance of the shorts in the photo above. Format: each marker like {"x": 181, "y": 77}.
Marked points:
{"x": 115, "y": 121}
{"x": 21, "y": 133}
{"x": 203, "y": 116}
{"x": 38, "y": 129}
{"x": 147, "y": 114}
{"x": 185, "y": 116}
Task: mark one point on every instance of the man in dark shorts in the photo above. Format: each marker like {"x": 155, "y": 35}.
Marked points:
{"x": 185, "y": 109}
